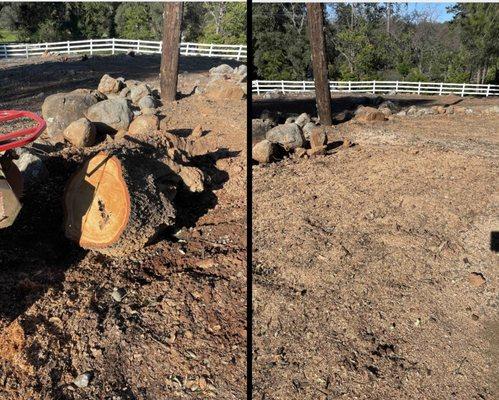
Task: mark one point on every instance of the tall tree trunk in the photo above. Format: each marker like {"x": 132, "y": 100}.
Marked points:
{"x": 172, "y": 19}
{"x": 318, "y": 46}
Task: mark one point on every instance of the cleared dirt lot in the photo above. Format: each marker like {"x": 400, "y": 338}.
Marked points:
{"x": 178, "y": 328}
{"x": 374, "y": 276}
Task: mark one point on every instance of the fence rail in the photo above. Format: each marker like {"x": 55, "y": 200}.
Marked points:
{"x": 462, "y": 89}
{"x": 113, "y": 46}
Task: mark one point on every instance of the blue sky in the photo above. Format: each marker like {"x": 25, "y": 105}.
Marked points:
{"x": 438, "y": 8}
{"x": 438, "y": 11}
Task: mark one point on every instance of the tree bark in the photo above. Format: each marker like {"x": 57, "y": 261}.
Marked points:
{"x": 172, "y": 20}
{"x": 319, "y": 63}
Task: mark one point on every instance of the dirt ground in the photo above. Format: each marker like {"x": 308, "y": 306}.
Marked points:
{"x": 374, "y": 270}
{"x": 177, "y": 328}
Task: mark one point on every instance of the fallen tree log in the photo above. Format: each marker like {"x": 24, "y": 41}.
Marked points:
{"x": 123, "y": 196}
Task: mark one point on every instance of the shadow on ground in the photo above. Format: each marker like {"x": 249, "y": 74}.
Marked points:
{"x": 34, "y": 254}
{"x": 40, "y": 79}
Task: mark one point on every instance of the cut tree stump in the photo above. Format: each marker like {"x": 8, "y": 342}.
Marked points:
{"x": 121, "y": 198}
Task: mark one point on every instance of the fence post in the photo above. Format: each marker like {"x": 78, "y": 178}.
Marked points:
{"x": 5, "y": 51}
{"x": 441, "y": 88}
{"x": 161, "y": 47}
{"x": 349, "y": 86}
{"x": 138, "y": 46}
{"x": 211, "y": 50}
{"x": 374, "y": 87}
{"x": 282, "y": 86}
{"x": 112, "y": 46}
{"x": 304, "y": 86}
{"x": 396, "y": 87}
{"x": 462, "y": 91}
{"x": 27, "y": 51}
{"x": 488, "y": 91}
{"x": 91, "y": 47}
{"x": 257, "y": 88}
{"x": 419, "y": 87}
{"x": 239, "y": 52}
{"x": 187, "y": 49}
{"x": 69, "y": 48}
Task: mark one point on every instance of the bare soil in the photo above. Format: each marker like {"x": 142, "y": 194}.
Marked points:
{"x": 375, "y": 274}
{"x": 179, "y": 329}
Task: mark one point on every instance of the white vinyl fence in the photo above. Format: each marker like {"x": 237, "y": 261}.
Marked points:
{"x": 461, "y": 89}
{"x": 113, "y": 46}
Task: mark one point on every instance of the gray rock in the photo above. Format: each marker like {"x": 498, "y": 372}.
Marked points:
{"x": 131, "y": 83}
{"x": 80, "y": 133}
{"x": 288, "y": 136}
{"x": 401, "y": 113}
{"x": 109, "y": 116}
{"x": 83, "y": 380}
{"x": 146, "y": 102}
{"x": 222, "y": 69}
{"x": 412, "y": 111}
{"x": 139, "y": 91}
{"x": 241, "y": 70}
{"x": 302, "y": 119}
{"x": 125, "y": 92}
{"x": 290, "y": 120}
{"x": 259, "y": 128}
{"x": 390, "y": 105}
{"x": 263, "y": 151}
{"x": 60, "y": 109}
{"x": 31, "y": 166}
{"x": 307, "y": 130}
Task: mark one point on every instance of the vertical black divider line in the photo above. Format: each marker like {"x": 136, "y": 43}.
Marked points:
{"x": 249, "y": 204}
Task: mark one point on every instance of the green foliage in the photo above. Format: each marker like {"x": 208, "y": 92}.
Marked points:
{"x": 367, "y": 41}
{"x": 133, "y": 21}
{"x": 280, "y": 44}
{"x": 206, "y": 22}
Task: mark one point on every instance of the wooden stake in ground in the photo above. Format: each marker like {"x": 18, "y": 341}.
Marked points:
{"x": 319, "y": 64}
{"x": 172, "y": 19}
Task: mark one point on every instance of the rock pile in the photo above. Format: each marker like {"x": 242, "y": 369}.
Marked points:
{"x": 300, "y": 136}
{"x": 83, "y": 116}
{"x": 226, "y": 83}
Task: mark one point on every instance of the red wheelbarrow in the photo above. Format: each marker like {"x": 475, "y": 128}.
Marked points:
{"x": 11, "y": 179}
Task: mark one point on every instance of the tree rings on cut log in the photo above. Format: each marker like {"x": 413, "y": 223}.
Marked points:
{"x": 97, "y": 203}
{"x": 117, "y": 202}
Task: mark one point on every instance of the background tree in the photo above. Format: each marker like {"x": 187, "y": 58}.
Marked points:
{"x": 382, "y": 41}
{"x": 203, "y": 22}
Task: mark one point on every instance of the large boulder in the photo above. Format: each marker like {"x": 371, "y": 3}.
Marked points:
{"x": 302, "y": 119}
{"x": 225, "y": 90}
{"x": 109, "y": 116}
{"x": 60, "y": 109}
{"x": 108, "y": 84}
{"x": 288, "y": 136}
{"x": 222, "y": 69}
{"x": 307, "y": 130}
{"x": 80, "y": 133}
{"x": 263, "y": 151}
{"x": 368, "y": 114}
{"x": 139, "y": 91}
{"x": 144, "y": 124}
